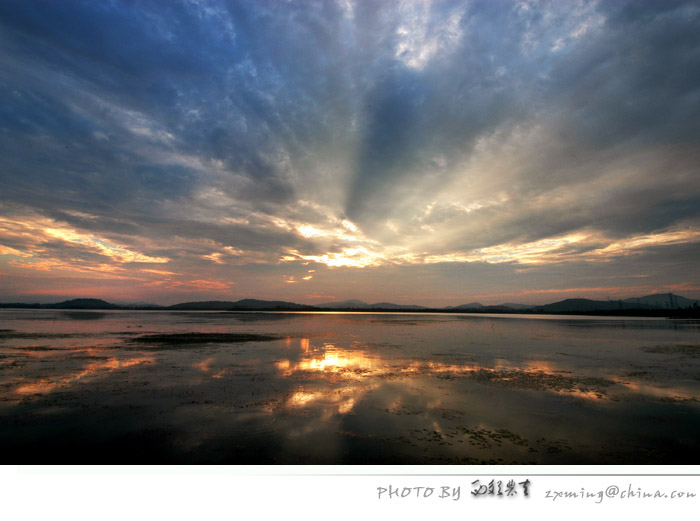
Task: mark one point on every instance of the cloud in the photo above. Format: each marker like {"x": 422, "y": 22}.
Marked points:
{"x": 263, "y": 136}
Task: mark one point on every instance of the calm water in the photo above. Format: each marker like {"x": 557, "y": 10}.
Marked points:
{"x": 83, "y": 386}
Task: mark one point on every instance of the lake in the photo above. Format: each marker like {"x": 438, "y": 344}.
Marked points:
{"x": 346, "y": 388}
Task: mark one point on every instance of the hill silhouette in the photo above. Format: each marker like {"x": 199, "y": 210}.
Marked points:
{"x": 657, "y": 304}
{"x": 242, "y": 305}
{"x": 83, "y": 303}
{"x": 663, "y": 301}
{"x": 358, "y": 304}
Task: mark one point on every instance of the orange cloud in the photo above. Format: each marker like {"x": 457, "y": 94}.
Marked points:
{"x": 34, "y": 231}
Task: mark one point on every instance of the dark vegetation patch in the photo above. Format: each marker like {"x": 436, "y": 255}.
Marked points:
{"x": 9, "y": 364}
{"x": 484, "y": 438}
{"x": 202, "y": 338}
{"x": 401, "y": 409}
{"x": 44, "y": 348}
{"x": 640, "y": 375}
{"x": 404, "y": 321}
{"x": 478, "y": 437}
{"x": 84, "y": 315}
{"x": 397, "y": 322}
{"x": 533, "y": 380}
{"x": 9, "y": 334}
{"x": 449, "y": 414}
{"x": 678, "y": 399}
{"x": 692, "y": 350}
{"x": 577, "y": 355}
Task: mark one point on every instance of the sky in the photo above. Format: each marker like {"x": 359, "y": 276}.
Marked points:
{"x": 426, "y": 152}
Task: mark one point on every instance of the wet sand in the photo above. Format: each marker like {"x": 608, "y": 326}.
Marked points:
{"x": 295, "y": 388}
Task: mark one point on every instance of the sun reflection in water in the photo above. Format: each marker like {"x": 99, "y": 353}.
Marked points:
{"x": 302, "y": 398}
{"x": 205, "y": 366}
{"x": 328, "y": 358}
{"x": 341, "y": 401}
{"x": 46, "y": 385}
{"x": 675, "y": 393}
{"x": 358, "y": 364}
{"x": 332, "y": 360}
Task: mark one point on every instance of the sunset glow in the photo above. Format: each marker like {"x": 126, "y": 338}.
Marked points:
{"x": 443, "y": 152}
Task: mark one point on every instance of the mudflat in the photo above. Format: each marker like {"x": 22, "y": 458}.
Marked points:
{"x": 347, "y": 388}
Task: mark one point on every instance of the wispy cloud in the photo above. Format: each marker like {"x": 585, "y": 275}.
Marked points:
{"x": 232, "y": 146}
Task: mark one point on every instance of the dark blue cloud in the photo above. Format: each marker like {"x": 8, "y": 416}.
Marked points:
{"x": 127, "y": 111}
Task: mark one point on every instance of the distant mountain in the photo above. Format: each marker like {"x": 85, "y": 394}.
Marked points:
{"x": 242, "y": 305}
{"x": 250, "y": 304}
{"x": 390, "y": 305}
{"x": 208, "y": 305}
{"x": 663, "y": 301}
{"x": 513, "y": 305}
{"x": 586, "y": 305}
{"x": 345, "y": 304}
{"x": 358, "y": 304}
{"x": 659, "y": 301}
{"x": 82, "y": 303}
{"x": 140, "y": 305}
{"x": 471, "y": 305}
{"x": 497, "y": 308}
{"x": 658, "y": 304}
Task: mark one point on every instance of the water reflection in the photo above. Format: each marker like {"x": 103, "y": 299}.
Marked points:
{"x": 671, "y": 393}
{"x": 91, "y": 370}
{"x": 341, "y": 401}
{"x": 328, "y": 358}
{"x": 84, "y": 315}
{"x": 355, "y": 389}
{"x": 358, "y": 363}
